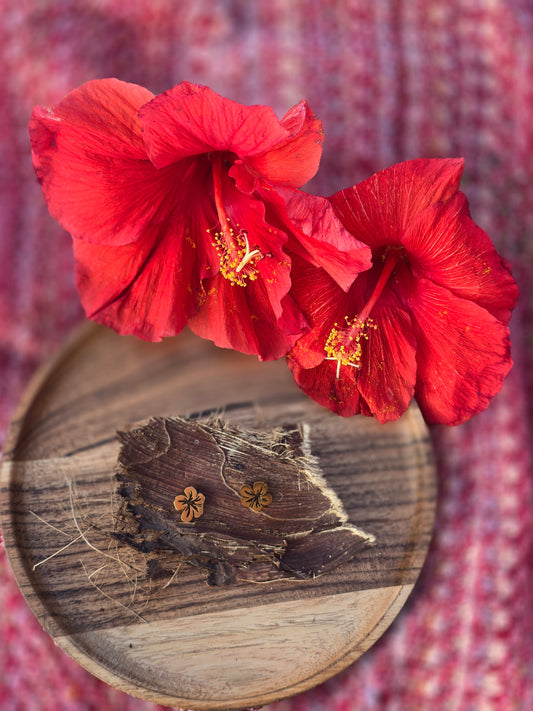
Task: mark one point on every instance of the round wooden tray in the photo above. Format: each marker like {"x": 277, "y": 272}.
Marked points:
{"x": 178, "y": 641}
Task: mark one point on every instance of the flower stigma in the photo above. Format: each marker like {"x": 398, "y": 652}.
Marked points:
{"x": 237, "y": 260}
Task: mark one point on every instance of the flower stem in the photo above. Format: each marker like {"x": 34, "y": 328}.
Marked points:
{"x": 391, "y": 260}
{"x": 216, "y": 166}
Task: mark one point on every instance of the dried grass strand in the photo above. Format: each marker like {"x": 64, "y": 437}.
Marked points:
{"x": 109, "y": 597}
{"x": 50, "y": 525}
{"x": 60, "y": 550}
{"x": 86, "y": 540}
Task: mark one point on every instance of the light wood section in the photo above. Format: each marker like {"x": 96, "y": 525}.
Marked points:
{"x": 236, "y": 657}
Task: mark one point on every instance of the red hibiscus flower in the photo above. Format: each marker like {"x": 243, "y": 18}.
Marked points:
{"x": 428, "y": 320}
{"x": 172, "y": 204}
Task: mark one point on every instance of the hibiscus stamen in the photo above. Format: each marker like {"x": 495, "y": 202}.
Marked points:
{"x": 237, "y": 260}
{"x": 344, "y": 343}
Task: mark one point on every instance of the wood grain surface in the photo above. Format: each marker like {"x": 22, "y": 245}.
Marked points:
{"x": 176, "y": 640}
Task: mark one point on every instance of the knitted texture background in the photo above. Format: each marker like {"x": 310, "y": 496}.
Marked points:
{"x": 391, "y": 80}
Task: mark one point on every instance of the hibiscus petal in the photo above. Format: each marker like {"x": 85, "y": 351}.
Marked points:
{"x": 294, "y": 161}
{"x": 386, "y": 378}
{"x": 191, "y": 119}
{"x": 320, "y": 237}
{"x": 149, "y": 288}
{"x": 242, "y": 318}
{"x": 463, "y": 354}
{"x": 379, "y": 209}
{"x": 339, "y": 395}
{"x": 117, "y": 289}
{"x": 323, "y": 302}
{"x": 90, "y": 158}
{"x": 447, "y": 247}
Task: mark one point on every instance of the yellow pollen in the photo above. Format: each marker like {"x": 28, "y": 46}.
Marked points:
{"x": 237, "y": 260}
{"x": 344, "y": 343}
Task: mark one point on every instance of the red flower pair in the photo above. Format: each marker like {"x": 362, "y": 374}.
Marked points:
{"x": 184, "y": 209}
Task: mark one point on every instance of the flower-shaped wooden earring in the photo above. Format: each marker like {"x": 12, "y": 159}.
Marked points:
{"x": 190, "y": 503}
{"x": 255, "y": 497}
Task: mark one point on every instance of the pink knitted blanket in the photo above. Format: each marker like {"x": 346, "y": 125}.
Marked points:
{"x": 391, "y": 80}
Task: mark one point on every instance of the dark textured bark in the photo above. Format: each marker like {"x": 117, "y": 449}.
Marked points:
{"x": 302, "y": 532}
